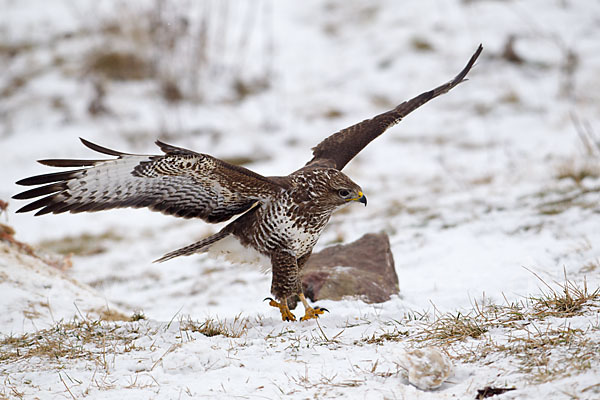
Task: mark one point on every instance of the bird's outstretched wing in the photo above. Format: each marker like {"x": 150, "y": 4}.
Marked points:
{"x": 341, "y": 147}
{"x": 180, "y": 182}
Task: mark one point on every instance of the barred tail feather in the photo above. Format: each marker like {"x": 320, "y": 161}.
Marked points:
{"x": 193, "y": 248}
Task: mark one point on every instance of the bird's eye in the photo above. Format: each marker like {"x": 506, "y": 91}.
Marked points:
{"x": 344, "y": 193}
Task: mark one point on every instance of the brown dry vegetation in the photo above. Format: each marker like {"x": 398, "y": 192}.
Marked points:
{"x": 536, "y": 332}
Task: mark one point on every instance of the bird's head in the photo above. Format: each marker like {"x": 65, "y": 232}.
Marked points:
{"x": 330, "y": 187}
{"x": 344, "y": 191}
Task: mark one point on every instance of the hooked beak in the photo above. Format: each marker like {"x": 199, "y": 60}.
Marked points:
{"x": 361, "y": 198}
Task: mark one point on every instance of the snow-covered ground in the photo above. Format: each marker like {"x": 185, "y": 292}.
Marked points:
{"x": 487, "y": 192}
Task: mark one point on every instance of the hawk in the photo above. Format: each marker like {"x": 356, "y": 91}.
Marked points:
{"x": 280, "y": 218}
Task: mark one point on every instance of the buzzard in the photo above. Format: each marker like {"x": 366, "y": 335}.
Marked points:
{"x": 280, "y": 218}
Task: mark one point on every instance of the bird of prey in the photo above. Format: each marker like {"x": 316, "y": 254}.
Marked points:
{"x": 280, "y": 218}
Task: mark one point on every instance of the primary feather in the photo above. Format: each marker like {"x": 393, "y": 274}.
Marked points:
{"x": 180, "y": 182}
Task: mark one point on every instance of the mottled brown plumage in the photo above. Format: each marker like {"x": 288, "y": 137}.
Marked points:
{"x": 281, "y": 217}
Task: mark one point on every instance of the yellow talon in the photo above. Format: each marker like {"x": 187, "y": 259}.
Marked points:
{"x": 286, "y": 314}
{"x": 312, "y": 313}
{"x": 309, "y": 312}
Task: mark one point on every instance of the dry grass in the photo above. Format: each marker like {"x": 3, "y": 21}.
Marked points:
{"x": 98, "y": 342}
{"x": 575, "y": 197}
{"x": 182, "y": 47}
{"x": 591, "y": 266}
{"x": 587, "y": 164}
{"x": 395, "y": 335}
{"x": 18, "y": 81}
{"x": 181, "y": 52}
{"x": 236, "y": 328}
{"x": 510, "y": 97}
{"x": 449, "y": 328}
{"x": 138, "y": 316}
{"x": 106, "y": 314}
{"x": 536, "y": 332}
{"x": 421, "y": 44}
{"x": 86, "y": 244}
{"x": 119, "y": 65}
{"x": 244, "y": 88}
{"x": 577, "y": 171}
{"x": 568, "y": 300}
{"x": 81, "y": 340}
{"x": 11, "y": 50}
{"x": 542, "y": 336}
{"x": 550, "y": 353}
{"x": 588, "y": 137}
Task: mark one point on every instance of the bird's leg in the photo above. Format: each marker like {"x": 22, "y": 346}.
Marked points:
{"x": 286, "y": 314}
{"x": 284, "y": 281}
{"x": 309, "y": 312}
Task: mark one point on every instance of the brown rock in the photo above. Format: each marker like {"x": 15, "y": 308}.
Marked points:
{"x": 364, "y": 268}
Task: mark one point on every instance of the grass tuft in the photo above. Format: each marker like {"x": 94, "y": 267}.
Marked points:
{"x": 566, "y": 301}
{"x": 215, "y": 327}
{"x": 577, "y": 171}
{"x": 120, "y": 66}
{"x": 86, "y": 244}
{"x": 450, "y": 328}
{"x": 137, "y": 316}
{"x": 421, "y": 44}
{"x": 396, "y": 335}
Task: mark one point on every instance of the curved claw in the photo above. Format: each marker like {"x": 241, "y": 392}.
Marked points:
{"x": 288, "y": 317}
{"x": 313, "y": 313}
{"x": 286, "y": 314}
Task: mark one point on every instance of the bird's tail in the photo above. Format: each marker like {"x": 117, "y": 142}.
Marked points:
{"x": 197, "y": 247}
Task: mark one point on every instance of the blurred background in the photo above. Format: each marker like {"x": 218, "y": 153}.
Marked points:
{"x": 500, "y": 173}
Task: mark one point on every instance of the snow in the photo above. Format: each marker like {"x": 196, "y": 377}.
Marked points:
{"x": 36, "y": 296}
{"x": 466, "y": 187}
